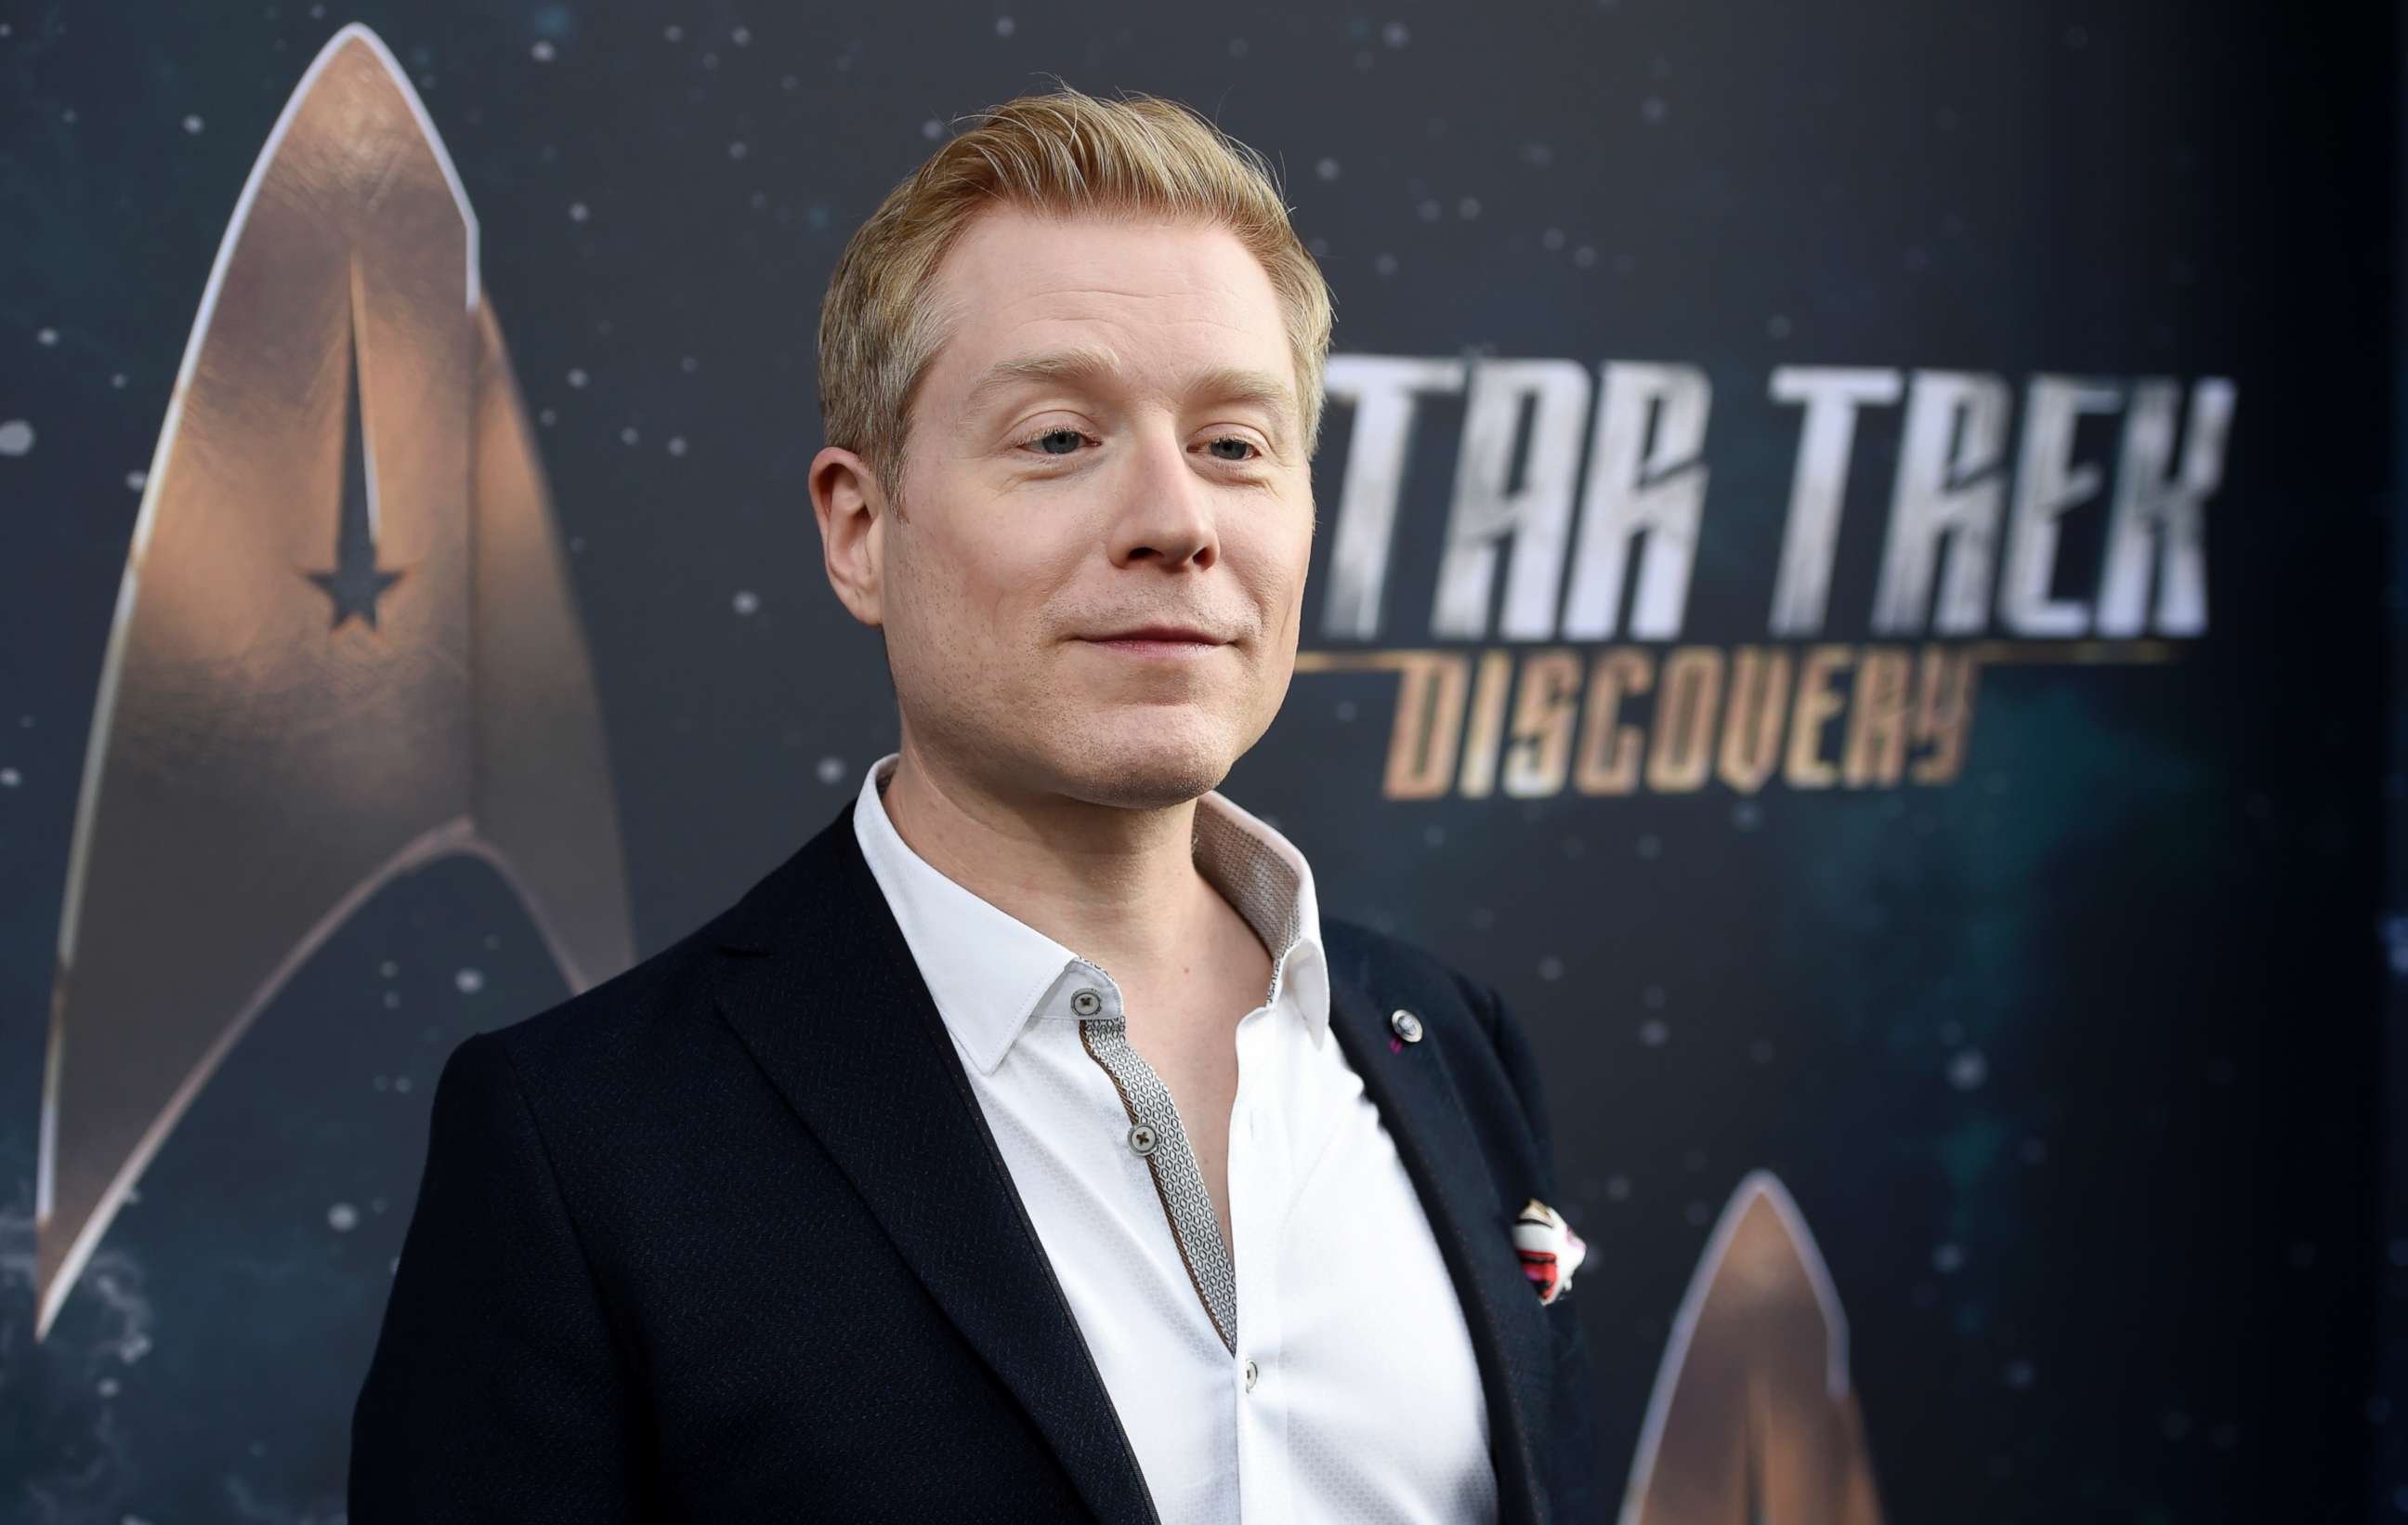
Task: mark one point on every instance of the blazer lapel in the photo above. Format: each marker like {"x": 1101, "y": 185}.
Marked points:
{"x": 817, "y": 980}
{"x": 1418, "y": 1101}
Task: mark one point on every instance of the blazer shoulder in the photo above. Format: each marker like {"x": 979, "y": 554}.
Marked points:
{"x": 651, "y": 1040}
{"x": 642, "y": 1015}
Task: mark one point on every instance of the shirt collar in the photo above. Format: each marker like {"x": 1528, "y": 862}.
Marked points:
{"x": 990, "y": 972}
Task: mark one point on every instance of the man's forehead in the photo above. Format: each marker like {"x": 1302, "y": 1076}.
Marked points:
{"x": 1028, "y": 298}
{"x": 1015, "y": 270}
{"x": 1007, "y": 241}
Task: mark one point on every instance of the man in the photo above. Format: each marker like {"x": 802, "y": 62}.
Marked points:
{"x": 1027, "y": 1145}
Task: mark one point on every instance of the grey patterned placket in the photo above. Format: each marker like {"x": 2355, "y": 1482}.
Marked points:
{"x": 1265, "y": 891}
{"x": 1176, "y": 1178}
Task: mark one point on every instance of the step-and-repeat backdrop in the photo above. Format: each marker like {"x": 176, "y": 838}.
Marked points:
{"x": 1849, "y": 586}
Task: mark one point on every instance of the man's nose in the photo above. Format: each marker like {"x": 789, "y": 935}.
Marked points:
{"x": 1165, "y": 511}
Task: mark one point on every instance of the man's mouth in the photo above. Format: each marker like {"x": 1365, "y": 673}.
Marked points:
{"x": 1170, "y": 640}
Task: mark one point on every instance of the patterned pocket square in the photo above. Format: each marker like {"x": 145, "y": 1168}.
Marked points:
{"x": 1550, "y": 1251}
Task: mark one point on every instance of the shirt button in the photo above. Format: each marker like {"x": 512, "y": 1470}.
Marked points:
{"x": 1408, "y": 1026}
{"x": 1250, "y": 1377}
{"x": 1086, "y": 1003}
{"x": 1141, "y": 1138}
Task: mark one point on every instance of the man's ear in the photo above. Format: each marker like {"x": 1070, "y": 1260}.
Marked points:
{"x": 852, "y": 510}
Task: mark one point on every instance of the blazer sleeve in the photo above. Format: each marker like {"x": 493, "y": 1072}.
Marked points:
{"x": 496, "y": 1391}
{"x": 1573, "y": 1467}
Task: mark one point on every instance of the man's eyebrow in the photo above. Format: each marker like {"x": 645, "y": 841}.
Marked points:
{"x": 1086, "y": 366}
{"x": 1091, "y": 367}
{"x": 1225, "y": 384}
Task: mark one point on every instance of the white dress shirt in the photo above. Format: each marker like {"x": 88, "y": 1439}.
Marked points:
{"x": 1327, "y": 1375}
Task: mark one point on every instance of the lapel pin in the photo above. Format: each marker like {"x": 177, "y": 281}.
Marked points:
{"x": 1550, "y": 1251}
{"x": 1407, "y": 1027}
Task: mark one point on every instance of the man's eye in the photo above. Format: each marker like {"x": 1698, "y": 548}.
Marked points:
{"x": 1061, "y": 442}
{"x": 1242, "y": 444}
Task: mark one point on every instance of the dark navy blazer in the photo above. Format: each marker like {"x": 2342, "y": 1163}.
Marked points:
{"x": 727, "y": 1238}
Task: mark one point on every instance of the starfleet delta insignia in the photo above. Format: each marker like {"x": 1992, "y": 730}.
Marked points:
{"x": 1753, "y": 1416}
{"x": 346, "y": 643}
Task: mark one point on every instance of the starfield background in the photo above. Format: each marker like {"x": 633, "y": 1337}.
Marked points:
{"x": 2076, "y": 1066}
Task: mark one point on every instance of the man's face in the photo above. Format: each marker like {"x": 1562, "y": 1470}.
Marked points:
{"x": 1107, "y": 442}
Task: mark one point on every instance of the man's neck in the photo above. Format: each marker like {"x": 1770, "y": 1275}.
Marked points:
{"x": 1117, "y": 887}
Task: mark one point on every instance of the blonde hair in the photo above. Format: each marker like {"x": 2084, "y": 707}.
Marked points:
{"x": 1063, "y": 153}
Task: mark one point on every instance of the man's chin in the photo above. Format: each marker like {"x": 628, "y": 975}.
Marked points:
{"x": 1150, "y": 771}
